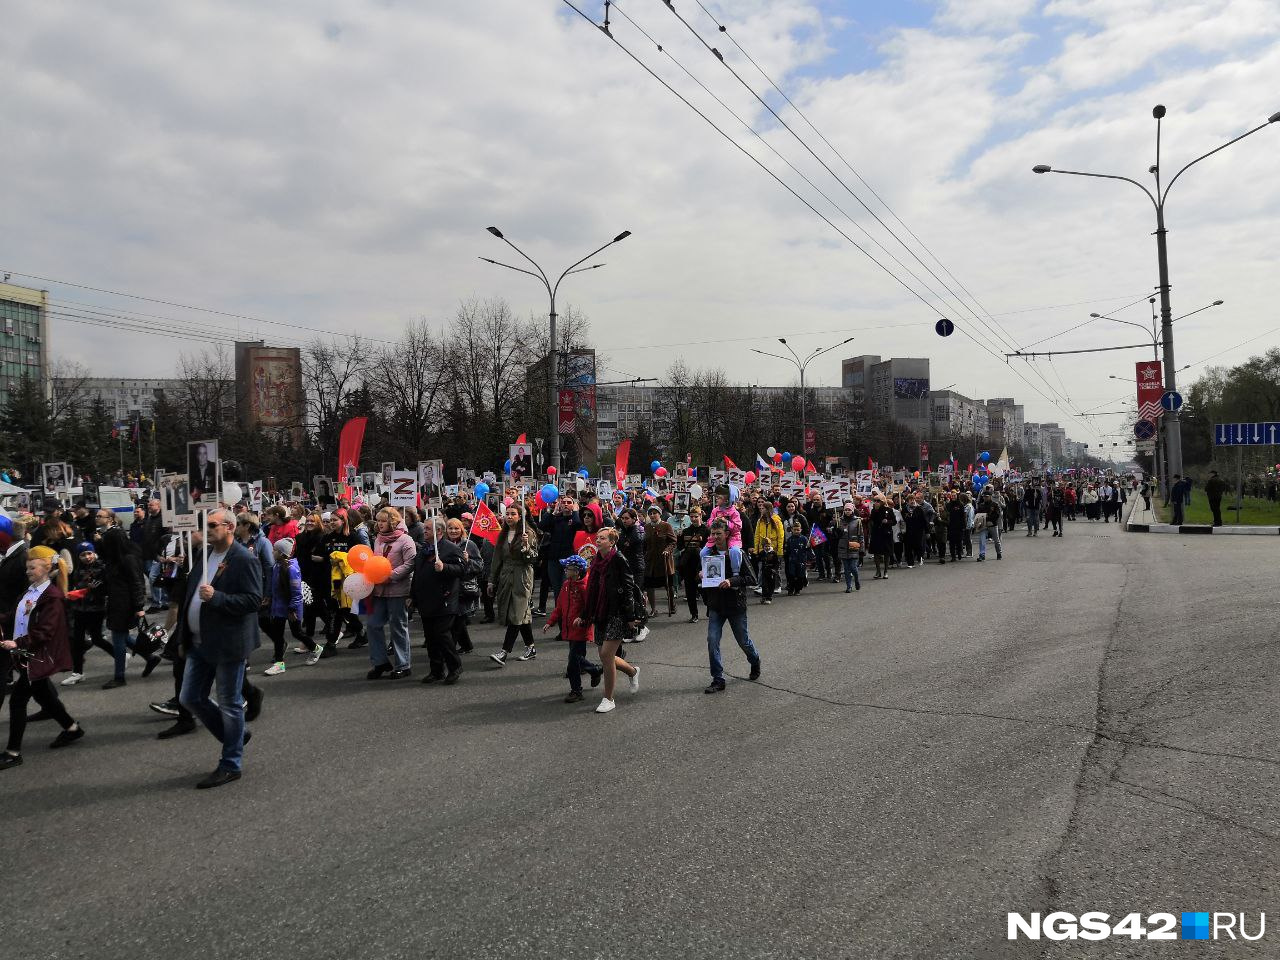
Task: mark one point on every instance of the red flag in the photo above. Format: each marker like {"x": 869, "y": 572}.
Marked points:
{"x": 729, "y": 464}
{"x": 620, "y": 462}
{"x": 810, "y": 468}
{"x": 486, "y": 523}
{"x": 521, "y": 439}
{"x": 870, "y": 465}
{"x": 349, "y": 443}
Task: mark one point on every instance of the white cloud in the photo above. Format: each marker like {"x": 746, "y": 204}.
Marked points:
{"x": 335, "y": 165}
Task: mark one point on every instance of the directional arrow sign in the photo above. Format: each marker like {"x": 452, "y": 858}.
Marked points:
{"x": 944, "y": 327}
{"x": 1246, "y": 434}
{"x": 1144, "y": 430}
{"x": 1172, "y": 400}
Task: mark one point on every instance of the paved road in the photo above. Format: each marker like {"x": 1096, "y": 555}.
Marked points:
{"x": 1088, "y": 724}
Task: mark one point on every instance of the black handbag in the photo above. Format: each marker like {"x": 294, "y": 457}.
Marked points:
{"x": 150, "y": 638}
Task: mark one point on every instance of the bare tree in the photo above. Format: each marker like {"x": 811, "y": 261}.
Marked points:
{"x": 206, "y": 398}
{"x": 412, "y": 390}
{"x": 69, "y": 394}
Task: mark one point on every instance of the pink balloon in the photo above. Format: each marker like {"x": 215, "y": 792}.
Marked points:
{"x": 506, "y": 501}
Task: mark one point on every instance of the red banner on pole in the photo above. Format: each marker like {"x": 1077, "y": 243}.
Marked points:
{"x": 1150, "y": 390}
{"x": 810, "y": 441}
{"x": 924, "y": 453}
{"x": 568, "y": 412}
{"x": 349, "y": 443}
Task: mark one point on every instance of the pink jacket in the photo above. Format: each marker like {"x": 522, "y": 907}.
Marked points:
{"x": 401, "y": 552}
{"x": 733, "y": 518}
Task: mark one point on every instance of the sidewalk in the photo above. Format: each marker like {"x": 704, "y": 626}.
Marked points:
{"x": 1142, "y": 520}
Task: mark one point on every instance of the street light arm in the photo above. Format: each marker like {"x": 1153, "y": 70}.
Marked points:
{"x": 817, "y": 353}
{"x": 776, "y": 356}
{"x": 1110, "y": 176}
{"x": 791, "y": 350}
{"x": 570, "y": 273}
{"x": 572, "y": 268}
{"x": 540, "y": 274}
{"x": 1210, "y": 154}
{"x": 499, "y": 263}
{"x": 1127, "y": 322}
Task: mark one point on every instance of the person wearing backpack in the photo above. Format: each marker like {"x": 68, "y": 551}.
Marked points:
{"x": 727, "y": 603}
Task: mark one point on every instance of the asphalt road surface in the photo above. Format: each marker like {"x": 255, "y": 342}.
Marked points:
{"x": 1088, "y": 724}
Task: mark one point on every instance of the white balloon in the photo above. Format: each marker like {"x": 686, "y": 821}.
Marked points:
{"x": 771, "y": 451}
{"x": 232, "y": 493}
{"x": 695, "y": 491}
{"x": 357, "y": 587}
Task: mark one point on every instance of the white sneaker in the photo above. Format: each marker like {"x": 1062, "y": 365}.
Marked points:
{"x": 529, "y": 653}
{"x": 314, "y": 657}
{"x": 633, "y": 683}
{"x": 605, "y": 706}
{"x": 72, "y": 680}
{"x": 273, "y": 670}
{"x": 644, "y": 632}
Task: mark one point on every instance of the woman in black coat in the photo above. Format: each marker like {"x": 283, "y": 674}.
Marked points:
{"x": 126, "y": 598}
{"x": 437, "y": 571}
{"x": 612, "y": 607}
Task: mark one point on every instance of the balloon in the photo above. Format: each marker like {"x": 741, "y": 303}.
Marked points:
{"x": 482, "y": 490}
{"x": 506, "y": 501}
{"x": 733, "y": 493}
{"x": 551, "y": 471}
{"x": 655, "y": 465}
{"x": 232, "y": 493}
{"x": 917, "y": 474}
{"x": 984, "y": 456}
{"x": 376, "y": 569}
{"x": 750, "y": 477}
{"x": 777, "y": 457}
{"x": 660, "y": 472}
{"x": 549, "y": 492}
{"x": 786, "y": 457}
{"x": 771, "y": 451}
{"x": 356, "y": 586}
{"x": 357, "y": 556}
{"x": 695, "y": 491}
{"x": 798, "y": 464}
{"x": 506, "y": 467}
{"x": 584, "y": 473}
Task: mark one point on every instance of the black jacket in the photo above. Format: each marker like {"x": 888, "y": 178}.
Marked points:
{"x": 435, "y": 592}
{"x": 619, "y": 587}
{"x": 152, "y": 536}
{"x": 126, "y": 585}
{"x": 732, "y": 601}
{"x": 560, "y": 529}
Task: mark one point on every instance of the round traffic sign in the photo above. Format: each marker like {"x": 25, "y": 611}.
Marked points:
{"x": 1171, "y": 400}
{"x": 1144, "y": 430}
{"x": 944, "y": 327}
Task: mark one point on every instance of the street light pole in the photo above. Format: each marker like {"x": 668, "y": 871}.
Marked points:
{"x": 801, "y": 366}
{"x": 1173, "y": 432}
{"x": 553, "y": 366}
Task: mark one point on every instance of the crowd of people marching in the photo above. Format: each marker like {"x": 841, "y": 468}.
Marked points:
{"x": 595, "y": 571}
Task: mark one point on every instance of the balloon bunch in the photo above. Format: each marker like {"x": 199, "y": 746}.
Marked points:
{"x": 370, "y": 570}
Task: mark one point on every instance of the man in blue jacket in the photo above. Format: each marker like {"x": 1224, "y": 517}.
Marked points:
{"x": 218, "y": 629}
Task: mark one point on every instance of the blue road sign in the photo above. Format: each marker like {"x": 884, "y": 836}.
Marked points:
{"x": 1144, "y": 430}
{"x": 1171, "y": 400}
{"x": 944, "y": 327}
{"x": 1246, "y": 434}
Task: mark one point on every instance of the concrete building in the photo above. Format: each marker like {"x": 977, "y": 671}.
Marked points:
{"x": 898, "y": 390}
{"x": 24, "y": 338}
{"x": 122, "y": 398}
{"x": 1005, "y": 419}
{"x": 960, "y": 419}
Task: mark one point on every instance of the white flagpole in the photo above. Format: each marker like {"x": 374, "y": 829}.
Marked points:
{"x": 204, "y": 550}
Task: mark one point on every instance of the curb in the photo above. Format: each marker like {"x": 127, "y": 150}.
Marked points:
{"x": 1131, "y": 527}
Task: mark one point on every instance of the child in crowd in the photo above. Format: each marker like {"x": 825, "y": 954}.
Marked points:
{"x": 797, "y": 557}
{"x": 570, "y": 614}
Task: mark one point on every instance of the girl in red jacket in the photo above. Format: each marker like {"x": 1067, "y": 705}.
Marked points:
{"x": 575, "y": 625}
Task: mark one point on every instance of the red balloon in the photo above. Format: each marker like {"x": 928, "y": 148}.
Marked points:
{"x": 777, "y": 458}
{"x": 798, "y": 463}
{"x": 551, "y": 471}
{"x": 660, "y": 472}
{"x": 750, "y": 477}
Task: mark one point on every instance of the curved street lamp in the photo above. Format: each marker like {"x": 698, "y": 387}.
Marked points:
{"x": 801, "y": 365}
{"x": 1158, "y": 199}
{"x": 553, "y": 366}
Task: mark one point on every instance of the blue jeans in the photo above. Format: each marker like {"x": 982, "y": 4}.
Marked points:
{"x": 851, "y": 573}
{"x": 1033, "y": 519}
{"x": 983, "y": 535}
{"x": 578, "y": 662}
{"x": 715, "y": 626}
{"x": 157, "y": 584}
{"x": 121, "y": 641}
{"x": 389, "y": 611}
{"x": 225, "y": 719}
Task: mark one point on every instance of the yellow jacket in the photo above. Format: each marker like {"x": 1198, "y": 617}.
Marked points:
{"x": 771, "y": 530}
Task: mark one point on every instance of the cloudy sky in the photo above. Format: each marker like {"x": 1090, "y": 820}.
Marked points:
{"x": 331, "y": 165}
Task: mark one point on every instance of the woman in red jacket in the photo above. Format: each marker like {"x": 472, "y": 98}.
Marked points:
{"x": 575, "y": 625}
{"x": 39, "y": 634}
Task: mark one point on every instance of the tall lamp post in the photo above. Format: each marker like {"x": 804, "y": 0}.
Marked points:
{"x": 801, "y": 365}
{"x": 1153, "y": 331}
{"x": 1173, "y": 429}
{"x": 553, "y": 366}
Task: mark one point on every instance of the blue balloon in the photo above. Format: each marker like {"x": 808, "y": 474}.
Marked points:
{"x": 786, "y": 458}
{"x": 655, "y": 465}
{"x": 550, "y": 493}
{"x": 584, "y": 473}
{"x": 506, "y": 467}
{"x": 482, "y": 490}
{"x": 985, "y": 456}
